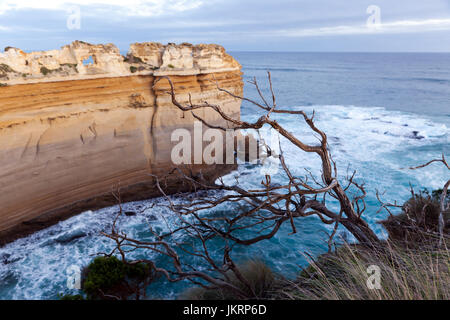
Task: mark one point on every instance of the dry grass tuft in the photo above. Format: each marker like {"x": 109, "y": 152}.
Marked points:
{"x": 261, "y": 278}
{"x": 412, "y": 265}
{"x": 405, "y": 274}
{"x": 418, "y": 222}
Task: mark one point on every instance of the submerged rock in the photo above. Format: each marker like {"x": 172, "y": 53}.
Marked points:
{"x": 70, "y": 236}
{"x": 415, "y": 135}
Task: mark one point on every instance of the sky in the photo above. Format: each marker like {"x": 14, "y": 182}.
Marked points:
{"x": 238, "y": 25}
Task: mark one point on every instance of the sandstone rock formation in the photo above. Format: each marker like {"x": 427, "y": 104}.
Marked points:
{"x": 71, "y": 132}
{"x": 81, "y": 60}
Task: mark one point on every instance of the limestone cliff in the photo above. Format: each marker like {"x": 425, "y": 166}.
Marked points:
{"x": 71, "y": 132}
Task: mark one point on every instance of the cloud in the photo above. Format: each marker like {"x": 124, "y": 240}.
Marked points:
{"x": 238, "y": 24}
{"x": 145, "y": 8}
{"x": 401, "y": 26}
{"x": 393, "y": 27}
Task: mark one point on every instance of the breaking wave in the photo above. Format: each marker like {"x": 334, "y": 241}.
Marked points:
{"x": 376, "y": 142}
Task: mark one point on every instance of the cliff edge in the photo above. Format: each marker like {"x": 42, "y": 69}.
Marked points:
{"x": 81, "y": 60}
{"x": 83, "y": 121}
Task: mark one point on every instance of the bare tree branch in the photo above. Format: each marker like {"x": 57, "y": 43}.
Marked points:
{"x": 262, "y": 210}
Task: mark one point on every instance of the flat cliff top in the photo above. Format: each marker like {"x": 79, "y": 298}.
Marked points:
{"x": 80, "y": 60}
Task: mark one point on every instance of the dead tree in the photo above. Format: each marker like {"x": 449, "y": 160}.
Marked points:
{"x": 443, "y": 207}
{"x": 263, "y": 210}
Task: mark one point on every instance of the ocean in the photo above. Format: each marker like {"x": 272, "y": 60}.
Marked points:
{"x": 383, "y": 112}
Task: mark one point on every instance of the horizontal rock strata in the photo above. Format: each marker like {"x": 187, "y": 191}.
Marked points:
{"x": 71, "y": 133}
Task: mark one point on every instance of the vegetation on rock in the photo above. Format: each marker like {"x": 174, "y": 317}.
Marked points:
{"x": 113, "y": 279}
{"x": 133, "y": 69}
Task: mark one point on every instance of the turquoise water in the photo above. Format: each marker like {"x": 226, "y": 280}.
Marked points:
{"x": 382, "y": 112}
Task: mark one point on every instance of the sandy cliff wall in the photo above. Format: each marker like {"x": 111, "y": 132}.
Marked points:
{"x": 72, "y": 133}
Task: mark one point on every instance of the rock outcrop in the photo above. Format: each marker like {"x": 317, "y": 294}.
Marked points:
{"x": 81, "y": 60}
{"x": 72, "y": 132}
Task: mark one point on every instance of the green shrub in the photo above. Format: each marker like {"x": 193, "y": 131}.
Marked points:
{"x": 45, "y": 71}
{"x": 133, "y": 69}
{"x": 110, "y": 278}
{"x": 171, "y": 66}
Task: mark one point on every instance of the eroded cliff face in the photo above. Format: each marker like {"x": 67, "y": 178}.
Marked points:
{"x": 81, "y": 60}
{"x": 71, "y": 133}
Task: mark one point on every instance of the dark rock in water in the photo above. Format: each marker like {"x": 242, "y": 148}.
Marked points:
{"x": 70, "y": 236}
{"x": 130, "y": 213}
{"x": 6, "y": 258}
{"x": 152, "y": 218}
{"x": 415, "y": 135}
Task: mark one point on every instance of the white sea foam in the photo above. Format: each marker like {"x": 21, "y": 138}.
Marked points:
{"x": 376, "y": 142}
